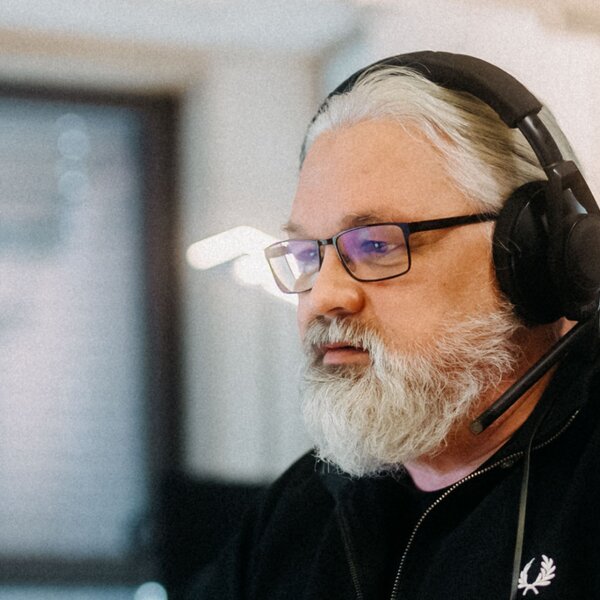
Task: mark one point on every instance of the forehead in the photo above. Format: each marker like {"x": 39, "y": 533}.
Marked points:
{"x": 372, "y": 171}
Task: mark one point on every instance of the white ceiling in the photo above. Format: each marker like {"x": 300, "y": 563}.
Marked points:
{"x": 290, "y": 25}
{"x": 140, "y": 41}
{"x": 575, "y": 15}
{"x": 294, "y": 25}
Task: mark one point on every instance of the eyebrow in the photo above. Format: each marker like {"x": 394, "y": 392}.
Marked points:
{"x": 349, "y": 221}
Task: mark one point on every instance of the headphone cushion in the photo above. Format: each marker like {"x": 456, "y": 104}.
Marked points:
{"x": 520, "y": 254}
{"x": 582, "y": 260}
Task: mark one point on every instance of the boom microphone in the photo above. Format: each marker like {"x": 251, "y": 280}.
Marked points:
{"x": 533, "y": 375}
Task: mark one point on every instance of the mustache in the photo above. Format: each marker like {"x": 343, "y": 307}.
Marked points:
{"x": 321, "y": 332}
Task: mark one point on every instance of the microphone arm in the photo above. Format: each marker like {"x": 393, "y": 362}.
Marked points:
{"x": 535, "y": 373}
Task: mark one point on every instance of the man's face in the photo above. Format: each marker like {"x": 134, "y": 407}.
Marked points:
{"x": 395, "y": 369}
{"x": 378, "y": 171}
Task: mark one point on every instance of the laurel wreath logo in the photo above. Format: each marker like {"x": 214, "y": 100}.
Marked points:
{"x": 544, "y": 578}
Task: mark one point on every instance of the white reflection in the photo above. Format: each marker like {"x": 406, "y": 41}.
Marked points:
{"x": 223, "y": 247}
{"x": 252, "y": 269}
{"x": 150, "y": 591}
{"x": 245, "y": 245}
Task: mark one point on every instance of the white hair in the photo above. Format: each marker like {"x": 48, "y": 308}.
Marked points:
{"x": 486, "y": 159}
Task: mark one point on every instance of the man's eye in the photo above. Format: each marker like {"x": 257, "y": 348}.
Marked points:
{"x": 306, "y": 256}
{"x": 375, "y": 247}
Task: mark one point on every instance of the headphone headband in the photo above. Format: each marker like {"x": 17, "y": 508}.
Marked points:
{"x": 497, "y": 88}
{"x": 507, "y": 96}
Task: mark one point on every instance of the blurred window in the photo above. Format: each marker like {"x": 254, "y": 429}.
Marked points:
{"x": 87, "y": 330}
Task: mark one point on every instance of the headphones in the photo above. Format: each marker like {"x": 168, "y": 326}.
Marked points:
{"x": 546, "y": 246}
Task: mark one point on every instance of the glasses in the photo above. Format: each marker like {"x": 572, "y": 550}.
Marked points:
{"x": 368, "y": 253}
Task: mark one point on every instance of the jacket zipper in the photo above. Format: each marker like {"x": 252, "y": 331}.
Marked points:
{"x": 350, "y": 555}
{"x": 451, "y": 489}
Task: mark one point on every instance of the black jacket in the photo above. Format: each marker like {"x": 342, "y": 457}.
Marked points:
{"x": 320, "y": 535}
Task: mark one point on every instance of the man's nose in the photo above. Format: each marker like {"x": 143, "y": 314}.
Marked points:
{"x": 335, "y": 293}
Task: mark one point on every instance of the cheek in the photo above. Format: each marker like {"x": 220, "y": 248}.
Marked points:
{"x": 403, "y": 318}
{"x": 466, "y": 282}
{"x": 408, "y": 313}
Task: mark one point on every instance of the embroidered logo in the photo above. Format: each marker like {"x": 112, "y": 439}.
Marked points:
{"x": 544, "y": 578}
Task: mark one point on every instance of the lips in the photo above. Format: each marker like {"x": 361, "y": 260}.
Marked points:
{"x": 340, "y": 353}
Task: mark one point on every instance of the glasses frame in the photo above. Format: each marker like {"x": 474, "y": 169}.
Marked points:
{"x": 407, "y": 228}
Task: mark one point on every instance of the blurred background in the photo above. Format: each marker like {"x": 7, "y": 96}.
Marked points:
{"x": 148, "y": 151}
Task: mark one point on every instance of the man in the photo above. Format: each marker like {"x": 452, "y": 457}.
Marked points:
{"x": 408, "y": 338}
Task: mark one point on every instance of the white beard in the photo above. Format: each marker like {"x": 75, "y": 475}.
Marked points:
{"x": 369, "y": 420}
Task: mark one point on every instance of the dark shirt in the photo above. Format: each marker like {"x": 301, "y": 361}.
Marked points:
{"x": 322, "y": 535}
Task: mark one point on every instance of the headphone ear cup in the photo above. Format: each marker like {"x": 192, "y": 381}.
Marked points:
{"x": 578, "y": 274}
{"x": 520, "y": 253}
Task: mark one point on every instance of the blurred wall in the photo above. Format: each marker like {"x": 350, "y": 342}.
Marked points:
{"x": 250, "y": 74}
{"x": 242, "y": 121}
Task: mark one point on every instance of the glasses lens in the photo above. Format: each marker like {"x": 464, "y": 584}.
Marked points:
{"x": 294, "y": 264}
{"x": 375, "y": 251}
